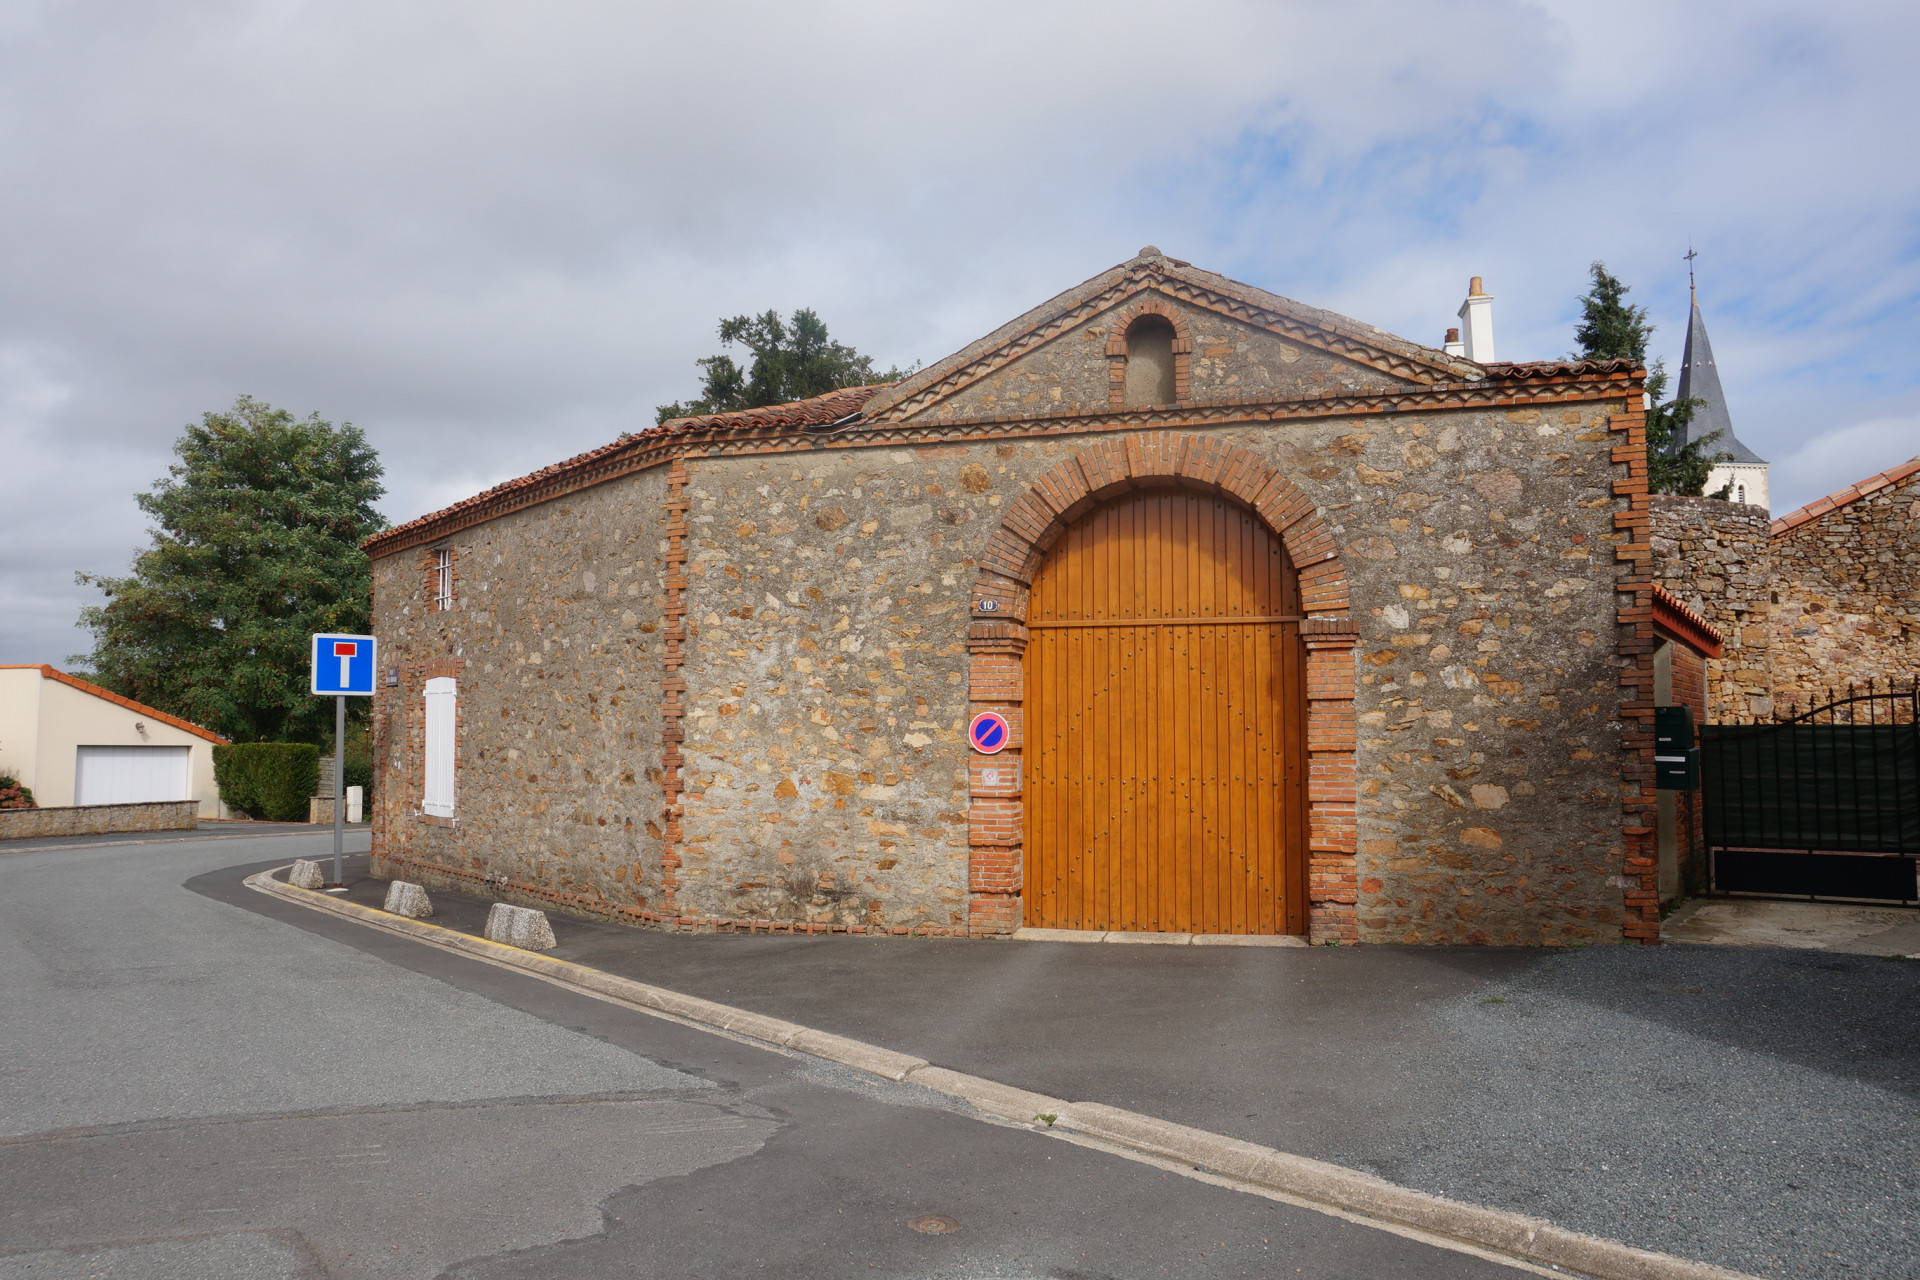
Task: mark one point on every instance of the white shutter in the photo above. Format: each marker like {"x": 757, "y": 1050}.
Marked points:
{"x": 442, "y": 692}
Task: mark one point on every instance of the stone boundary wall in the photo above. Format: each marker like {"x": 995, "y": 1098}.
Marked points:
{"x": 99, "y": 819}
{"x": 1717, "y": 558}
{"x": 1849, "y": 591}
{"x": 320, "y": 812}
{"x": 1805, "y": 605}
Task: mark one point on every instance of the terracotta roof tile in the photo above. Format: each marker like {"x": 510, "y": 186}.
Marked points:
{"x": 816, "y": 411}
{"x": 1672, "y": 614}
{"x": 51, "y": 673}
{"x": 831, "y": 407}
{"x": 1852, "y": 493}
{"x": 1561, "y": 368}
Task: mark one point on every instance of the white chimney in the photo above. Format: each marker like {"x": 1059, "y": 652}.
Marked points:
{"x": 1453, "y": 346}
{"x": 1476, "y": 323}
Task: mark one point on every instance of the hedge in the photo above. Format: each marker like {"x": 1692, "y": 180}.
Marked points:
{"x": 270, "y": 780}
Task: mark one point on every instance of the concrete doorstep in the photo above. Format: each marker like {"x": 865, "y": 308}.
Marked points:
{"x": 1030, "y": 934}
{"x": 1313, "y": 1183}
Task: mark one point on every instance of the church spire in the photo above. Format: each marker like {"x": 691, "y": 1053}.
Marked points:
{"x": 1700, "y": 380}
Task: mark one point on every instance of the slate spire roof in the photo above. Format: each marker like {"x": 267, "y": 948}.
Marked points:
{"x": 1700, "y": 380}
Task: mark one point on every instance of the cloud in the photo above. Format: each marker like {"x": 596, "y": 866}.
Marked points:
{"x": 66, "y": 507}
{"x": 1838, "y": 457}
{"x": 494, "y": 235}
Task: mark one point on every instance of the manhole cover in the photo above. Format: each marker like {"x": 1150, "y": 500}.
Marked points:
{"x": 933, "y": 1224}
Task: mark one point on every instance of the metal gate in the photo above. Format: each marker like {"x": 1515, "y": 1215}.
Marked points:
{"x": 1823, "y": 803}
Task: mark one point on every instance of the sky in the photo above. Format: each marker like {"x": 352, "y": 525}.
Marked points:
{"x": 493, "y": 235}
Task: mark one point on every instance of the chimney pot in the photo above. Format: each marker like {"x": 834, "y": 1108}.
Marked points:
{"x": 1476, "y": 324}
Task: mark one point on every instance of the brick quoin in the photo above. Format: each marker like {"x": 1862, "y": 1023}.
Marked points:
{"x": 673, "y": 687}
{"x": 997, "y": 641}
{"x": 1633, "y": 587}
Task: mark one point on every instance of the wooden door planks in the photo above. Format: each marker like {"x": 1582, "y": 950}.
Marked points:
{"x": 1166, "y": 775}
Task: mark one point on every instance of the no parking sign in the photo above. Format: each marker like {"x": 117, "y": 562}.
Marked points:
{"x": 989, "y": 732}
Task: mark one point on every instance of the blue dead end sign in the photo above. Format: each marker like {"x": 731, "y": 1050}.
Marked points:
{"x": 989, "y": 732}
{"x": 343, "y": 665}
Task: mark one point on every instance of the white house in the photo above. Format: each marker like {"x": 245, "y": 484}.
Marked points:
{"x": 75, "y": 743}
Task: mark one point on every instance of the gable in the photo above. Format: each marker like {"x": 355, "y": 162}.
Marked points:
{"x": 1228, "y": 360}
{"x": 1240, "y": 344}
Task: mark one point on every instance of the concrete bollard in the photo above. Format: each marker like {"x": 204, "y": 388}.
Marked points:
{"x": 306, "y": 874}
{"x": 521, "y": 927}
{"x": 356, "y": 801}
{"x": 410, "y": 900}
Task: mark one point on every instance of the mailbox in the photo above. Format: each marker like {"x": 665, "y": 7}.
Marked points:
{"x": 1676, "y": 760}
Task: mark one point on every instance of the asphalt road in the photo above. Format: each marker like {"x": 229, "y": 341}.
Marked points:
{"x": 1754, "y": 1107}
{"x": 202, "y": 1082}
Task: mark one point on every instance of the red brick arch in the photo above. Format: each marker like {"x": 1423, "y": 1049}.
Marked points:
{"x": 1117, "y": 331}
{"x": 997, "y": 640}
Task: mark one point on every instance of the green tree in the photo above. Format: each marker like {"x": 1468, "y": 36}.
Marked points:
{"x": 789, "y": 362}
{"x": 257, "y": 547}
{"x": 1611, "y": 327}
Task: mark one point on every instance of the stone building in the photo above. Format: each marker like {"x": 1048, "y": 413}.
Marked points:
{"x": 1297, "y": 627}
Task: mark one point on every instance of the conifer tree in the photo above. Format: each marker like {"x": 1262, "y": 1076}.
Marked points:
{"x": 1611, "y": 327}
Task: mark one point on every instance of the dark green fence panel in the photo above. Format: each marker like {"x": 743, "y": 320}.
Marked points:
{"x": 1844, "y": 788}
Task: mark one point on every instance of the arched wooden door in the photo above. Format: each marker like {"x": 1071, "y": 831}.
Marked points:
{"x": 1165, "y": 734}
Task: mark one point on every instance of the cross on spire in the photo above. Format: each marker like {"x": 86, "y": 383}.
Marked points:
{"x": 1690, "y": 255}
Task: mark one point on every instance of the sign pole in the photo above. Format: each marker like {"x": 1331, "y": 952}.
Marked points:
{"x": 342, "y": 666}
{"x": 339, "y": 779}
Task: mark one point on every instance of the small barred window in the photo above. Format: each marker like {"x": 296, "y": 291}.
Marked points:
{"x": 443, "y": 578}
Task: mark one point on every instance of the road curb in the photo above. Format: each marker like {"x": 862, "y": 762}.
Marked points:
{"x": 185, "y": 837}
{"x": 1514, "y": 1235}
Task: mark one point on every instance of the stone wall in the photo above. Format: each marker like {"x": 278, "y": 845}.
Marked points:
{"x": 827, "y": 676}
{"x": 1717, "y": 558}
{"x": 1848, "y": 581}
{"x": 1806, "y": 603}
{"x": 555, "y": 641}
{"x": 826, "y": 690}
{"x": 99, "y": 819}
{"x": 1480, "y": 547}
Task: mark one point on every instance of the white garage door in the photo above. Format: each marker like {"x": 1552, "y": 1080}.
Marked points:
{"x": 129, "y": 775}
